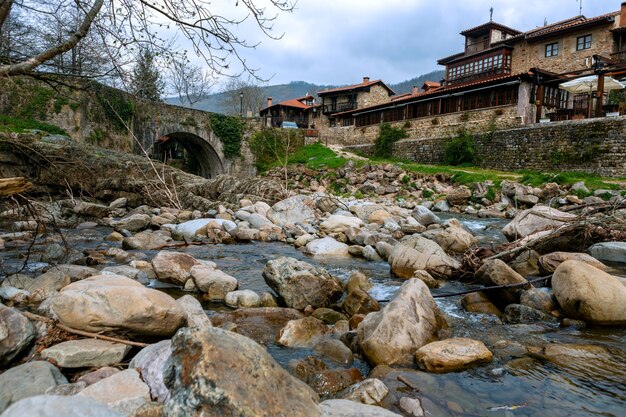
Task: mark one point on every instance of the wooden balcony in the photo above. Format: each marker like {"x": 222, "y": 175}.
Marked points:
{"x": 480, "y": 46}
{"x": 619, "y": 56}
{"x": 339, "y": 107}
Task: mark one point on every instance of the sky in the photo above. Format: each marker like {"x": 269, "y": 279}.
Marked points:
{"x": 337, "y": 42}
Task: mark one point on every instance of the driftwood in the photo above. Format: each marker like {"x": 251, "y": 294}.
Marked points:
{"x": 51, "y": 322}
{"x": 12, "y": 186}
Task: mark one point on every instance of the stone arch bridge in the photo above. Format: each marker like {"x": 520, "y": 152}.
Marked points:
{"x": 183, "y": 136}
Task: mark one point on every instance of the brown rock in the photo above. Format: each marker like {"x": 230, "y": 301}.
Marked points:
{"x": 452, "y": 355}
{"x": 478, "y": 302}
{"x": 359, "y": 302}
{"x": 495, "y": 272}
{"x": 550, "y": 262}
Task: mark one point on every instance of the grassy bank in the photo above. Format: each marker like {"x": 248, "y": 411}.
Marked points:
{"x": 17, "y": 125}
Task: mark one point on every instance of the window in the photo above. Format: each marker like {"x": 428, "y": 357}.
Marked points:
{"x": 552, "y": 50}
{"x": 583, "y": 42}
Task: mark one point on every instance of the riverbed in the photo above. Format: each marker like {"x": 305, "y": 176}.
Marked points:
{"x": 519, "y": 382}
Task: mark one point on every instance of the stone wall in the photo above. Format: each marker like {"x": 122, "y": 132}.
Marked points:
{"x": 532, "y": 55}
{"x": 596, "y": 146}
{"x": 377, "y": 95}
{"x": 502, "y": 117}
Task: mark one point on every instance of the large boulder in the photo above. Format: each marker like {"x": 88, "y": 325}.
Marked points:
{"x": 192, "y": 229}
{"x": 55, "y": 406}
{"x": 174, "y": 267}
{"x": 196, "y": 316}
{"x": 133, "y": 223}
{"x": 16, "y": 334}
{"x": 27, "y": 380}
{"x": 424, "y": 216}
{"x": 392, "y": 335}
{"x": 150, "y": 363}
{"x": 453, "y": 239}
{"x": 495, "y": 272}
{"x": 452, "y": 355}
{"x": 147, "y": 240}
{"x": 418, "y": 253}
{"x": 290, "y": 211}
{"x": 339, "y": 224}
{"x": 587, "y": 293}
{"x": 301, "y": 332}
{"x": 116, "y": 303}
{"x": 299, "y": 284}
{"x": 123, "y": 392}
{"x": 327, "y": 247}
{"x": 216, "y": 372}
{"x": 86, "y": 353}
{"x": 536, "y": 219}
{"x": 47, "y": 284}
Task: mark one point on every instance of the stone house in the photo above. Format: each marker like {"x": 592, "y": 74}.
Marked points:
{"x": 303, "y": 111}
{"x": 504, "y": 78}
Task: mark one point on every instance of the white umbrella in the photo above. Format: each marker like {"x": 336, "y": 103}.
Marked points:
{"x": 590, "y": 83}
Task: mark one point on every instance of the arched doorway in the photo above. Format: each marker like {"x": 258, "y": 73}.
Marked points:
{"x": 188, "y": 152}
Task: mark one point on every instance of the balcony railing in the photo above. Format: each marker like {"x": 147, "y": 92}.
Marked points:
{"x": 619, "y": 56}
{"x": 339, "y": 107}
{"x": 480, "y": 75}
{"x": 477, "y": 46}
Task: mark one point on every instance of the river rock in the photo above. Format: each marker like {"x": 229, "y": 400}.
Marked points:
{"x": 459, "y": 196}
{"x": 424, "y": 216}
{"x": 192, "y": 229}
{"x": 347, "y": 408}
{"x": 47, "y": 284}
{"x": 301, "y": 332}
{"x": 370, "y": 391}
{"x": 378, "y": 217}
{"x": 370, "y": 254}
{"x": 27, "y": 380}
{"x": 452, "y": 355}
{"x": 551, "y": 261}
{"x": 133, "y": 223}
{"x": 174, "y": 267}
{"x": 392, "y": 335}
{"x": 495, "y": 272}
{"x": 522, "y": 314}
{"x": 609, "y": 251}
{"x": 427, "y": 278}
{"x": 214, "y": 283}
{"x": 259, "y": 324}
{"x": 536, "y": 219}
{"x": 124, "y": 392}
{"x": 412, "y": 407}
{"x": 327, "y": 247}
{"x": 328, "y": 316}
{"x": 55, "y": 406}
{"x": 330, "y": 381}
{"x": 538, "y": 299}
{"x": 453, "y": 239}
{"x": 150, "y": 363}
{"x": 334, "y": 350}
{"x": 259, "y": 222}
{"x": 147, "y": 240}
{"x": 359, "y": 302}
{"x": 299, "y": 284}
{"x": 75, "y": 272}
{"x": 526, "y": 263}
{"x": 195, "y": 313}
{"x": 116, "y": 303}
{"x": 128, "y": 272}
{"x": 98, "y": 375}
{"x": 216, "y": 372}
{"x": 339, "y": 224}
{"x": 358, "y": 280}
{"x": 290, "y": 211}
{"x": 242, "y": 298}
{"x": 587, "y": 293}
{"x": 418, "y": 253}
{"x": 85, "y": 353}
{"x": 16, "y": 334}
{"x": 478, "y": 302}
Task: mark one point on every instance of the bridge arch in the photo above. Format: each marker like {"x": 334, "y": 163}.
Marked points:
{"x": 195, "y": 150}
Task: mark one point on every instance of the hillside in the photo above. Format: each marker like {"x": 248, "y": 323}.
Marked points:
{"x": 219, "y": 102}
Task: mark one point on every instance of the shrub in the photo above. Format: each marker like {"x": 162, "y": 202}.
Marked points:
{"x": 460, "y": 150}
{"x": 387, "y": 136}
{"x": 230, "y": 131}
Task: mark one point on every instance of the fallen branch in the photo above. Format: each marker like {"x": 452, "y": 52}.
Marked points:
{"x": 407, "y": 383}
{"x": 12, "y": 186}
{"x": 46, "y": 320}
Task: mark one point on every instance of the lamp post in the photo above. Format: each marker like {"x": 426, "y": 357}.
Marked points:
{"x": 241, "y": 103}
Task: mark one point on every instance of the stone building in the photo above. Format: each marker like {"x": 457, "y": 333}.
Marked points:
{"x": 504, "y": 78}
{"x": 303, "y": 111}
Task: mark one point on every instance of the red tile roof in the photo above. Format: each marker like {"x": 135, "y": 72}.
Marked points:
{"x": 436, "y": 92}
{"x": 578, "y": 21}
{"x": 294, "y": 102}
{"x": 356, "y": 87}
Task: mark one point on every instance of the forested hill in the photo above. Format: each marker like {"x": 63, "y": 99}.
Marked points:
{"x": 226, "y": 103}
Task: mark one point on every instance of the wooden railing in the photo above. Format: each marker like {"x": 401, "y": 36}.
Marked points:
{"x": 477, "y": 46}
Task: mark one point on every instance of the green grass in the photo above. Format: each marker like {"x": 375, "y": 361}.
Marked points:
{"x": 317, "y": 156}
{"x": 10, "y": 124}
{"x": 592, "y": 182}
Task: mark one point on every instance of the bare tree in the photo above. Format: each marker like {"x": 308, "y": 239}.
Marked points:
{"x": 125, "y": 24}
{"x": 243, "y": 95}
{"x": 190, "y": 82}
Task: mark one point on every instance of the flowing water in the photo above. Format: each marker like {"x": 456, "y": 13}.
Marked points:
{"x": 516, "y": 383}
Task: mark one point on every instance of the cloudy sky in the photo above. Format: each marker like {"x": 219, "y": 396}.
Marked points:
{"x": 340, "y": 41}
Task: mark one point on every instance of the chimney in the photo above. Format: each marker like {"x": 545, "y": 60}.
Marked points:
{"x": 269, "y": 102}
{"x": 366, "y": 80}
{"x": 622, "y": 16}
{"x": 415, "y": 90}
